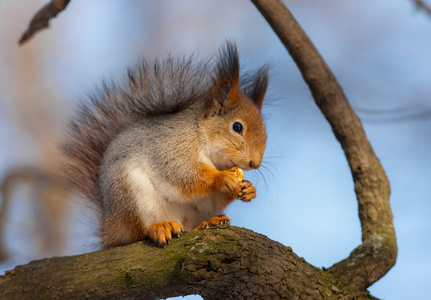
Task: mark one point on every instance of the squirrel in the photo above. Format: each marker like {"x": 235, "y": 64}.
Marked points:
{"x": 161, "y": 153}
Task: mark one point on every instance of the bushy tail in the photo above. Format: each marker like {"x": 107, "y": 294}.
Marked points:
{"x": 163, "y": 87}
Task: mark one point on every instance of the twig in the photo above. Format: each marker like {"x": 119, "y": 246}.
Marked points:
{"x": 423, "y": 6}
{"x": 42, "y": 17}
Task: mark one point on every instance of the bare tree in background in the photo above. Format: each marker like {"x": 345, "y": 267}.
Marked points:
{"x": 46, "y": 197}
{"x": 235, "y": 263}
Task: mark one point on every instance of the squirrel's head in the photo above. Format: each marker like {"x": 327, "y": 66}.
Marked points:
{"x": 233, "y": 127}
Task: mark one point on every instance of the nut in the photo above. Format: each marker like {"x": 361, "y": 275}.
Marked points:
{"x": 240, "y": 173}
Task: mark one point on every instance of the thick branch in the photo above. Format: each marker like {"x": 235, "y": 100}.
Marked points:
{"x": 217, "y": 263}
{"x": 42, "y": 17}
{"x": 377, "y": 254}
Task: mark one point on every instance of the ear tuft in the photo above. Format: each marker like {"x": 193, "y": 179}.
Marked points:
{"x": 226, "y": 77}
{"x": 256, "y": 88}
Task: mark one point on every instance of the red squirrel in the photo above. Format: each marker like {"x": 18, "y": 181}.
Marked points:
{"x": 160, "y": 153}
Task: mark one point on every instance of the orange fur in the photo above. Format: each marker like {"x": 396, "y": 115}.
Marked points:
{"x": 211, "y": 181}
{"x": 214, "y": 221}
{"x": 248, "y": 191}
{"x": 124, "y": 229}
{"x": 162, "y": 233}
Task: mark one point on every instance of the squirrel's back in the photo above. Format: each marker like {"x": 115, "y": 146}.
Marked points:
{"x": 163, "y": 87}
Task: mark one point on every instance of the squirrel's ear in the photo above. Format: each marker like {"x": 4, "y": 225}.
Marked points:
{"x": 226, "y": 78}
{"x": 257, "y": 88}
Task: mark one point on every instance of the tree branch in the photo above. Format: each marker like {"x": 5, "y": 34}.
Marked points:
{"x": 423, "y": 5}
{"x": 42, "y": 17}
{"x": 217, "y": 263}
{"x": 377, "y": 254}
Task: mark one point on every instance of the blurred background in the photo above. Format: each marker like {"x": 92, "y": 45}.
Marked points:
{"x": 380, "y": 51}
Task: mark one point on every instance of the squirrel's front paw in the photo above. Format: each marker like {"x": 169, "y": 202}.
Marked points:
{"x": 214, "y": 221}
{"x": 232, "y": 181}
{"x": 162, "y": 233}
{"x": 248, "y": 191}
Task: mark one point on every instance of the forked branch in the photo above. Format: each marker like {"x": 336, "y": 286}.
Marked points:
{"x": 378, "y": 251}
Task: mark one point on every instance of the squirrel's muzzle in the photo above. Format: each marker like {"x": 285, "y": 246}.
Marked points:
{"x": 255, "y": 163}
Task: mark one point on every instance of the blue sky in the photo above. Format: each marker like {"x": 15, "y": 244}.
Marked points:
{"x": 378, "y": 50}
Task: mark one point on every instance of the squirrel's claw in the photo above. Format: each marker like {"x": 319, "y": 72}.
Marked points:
{"x": 214, "y": 221}
{"x": 162, "y": 233}
{"x": 248, "y": 191}
{"x": 231, "y": 181}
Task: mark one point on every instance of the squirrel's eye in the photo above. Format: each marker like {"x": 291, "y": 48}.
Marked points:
{"x": 237, "y": 127}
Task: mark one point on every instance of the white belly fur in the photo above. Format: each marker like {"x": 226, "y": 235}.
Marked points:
{"x": 165, "y": 203}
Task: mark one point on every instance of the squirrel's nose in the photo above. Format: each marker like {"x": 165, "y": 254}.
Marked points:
{"x": 255, "y": 164}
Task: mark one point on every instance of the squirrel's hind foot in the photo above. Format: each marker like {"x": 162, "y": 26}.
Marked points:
{"x": 162, "y": 233}
{"x": 214, "y": 221}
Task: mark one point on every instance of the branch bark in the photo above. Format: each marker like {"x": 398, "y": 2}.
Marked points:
{"x": 217, "y": 263}
{"x": 42, "y": 17}
{"x": 378, "y": 251}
